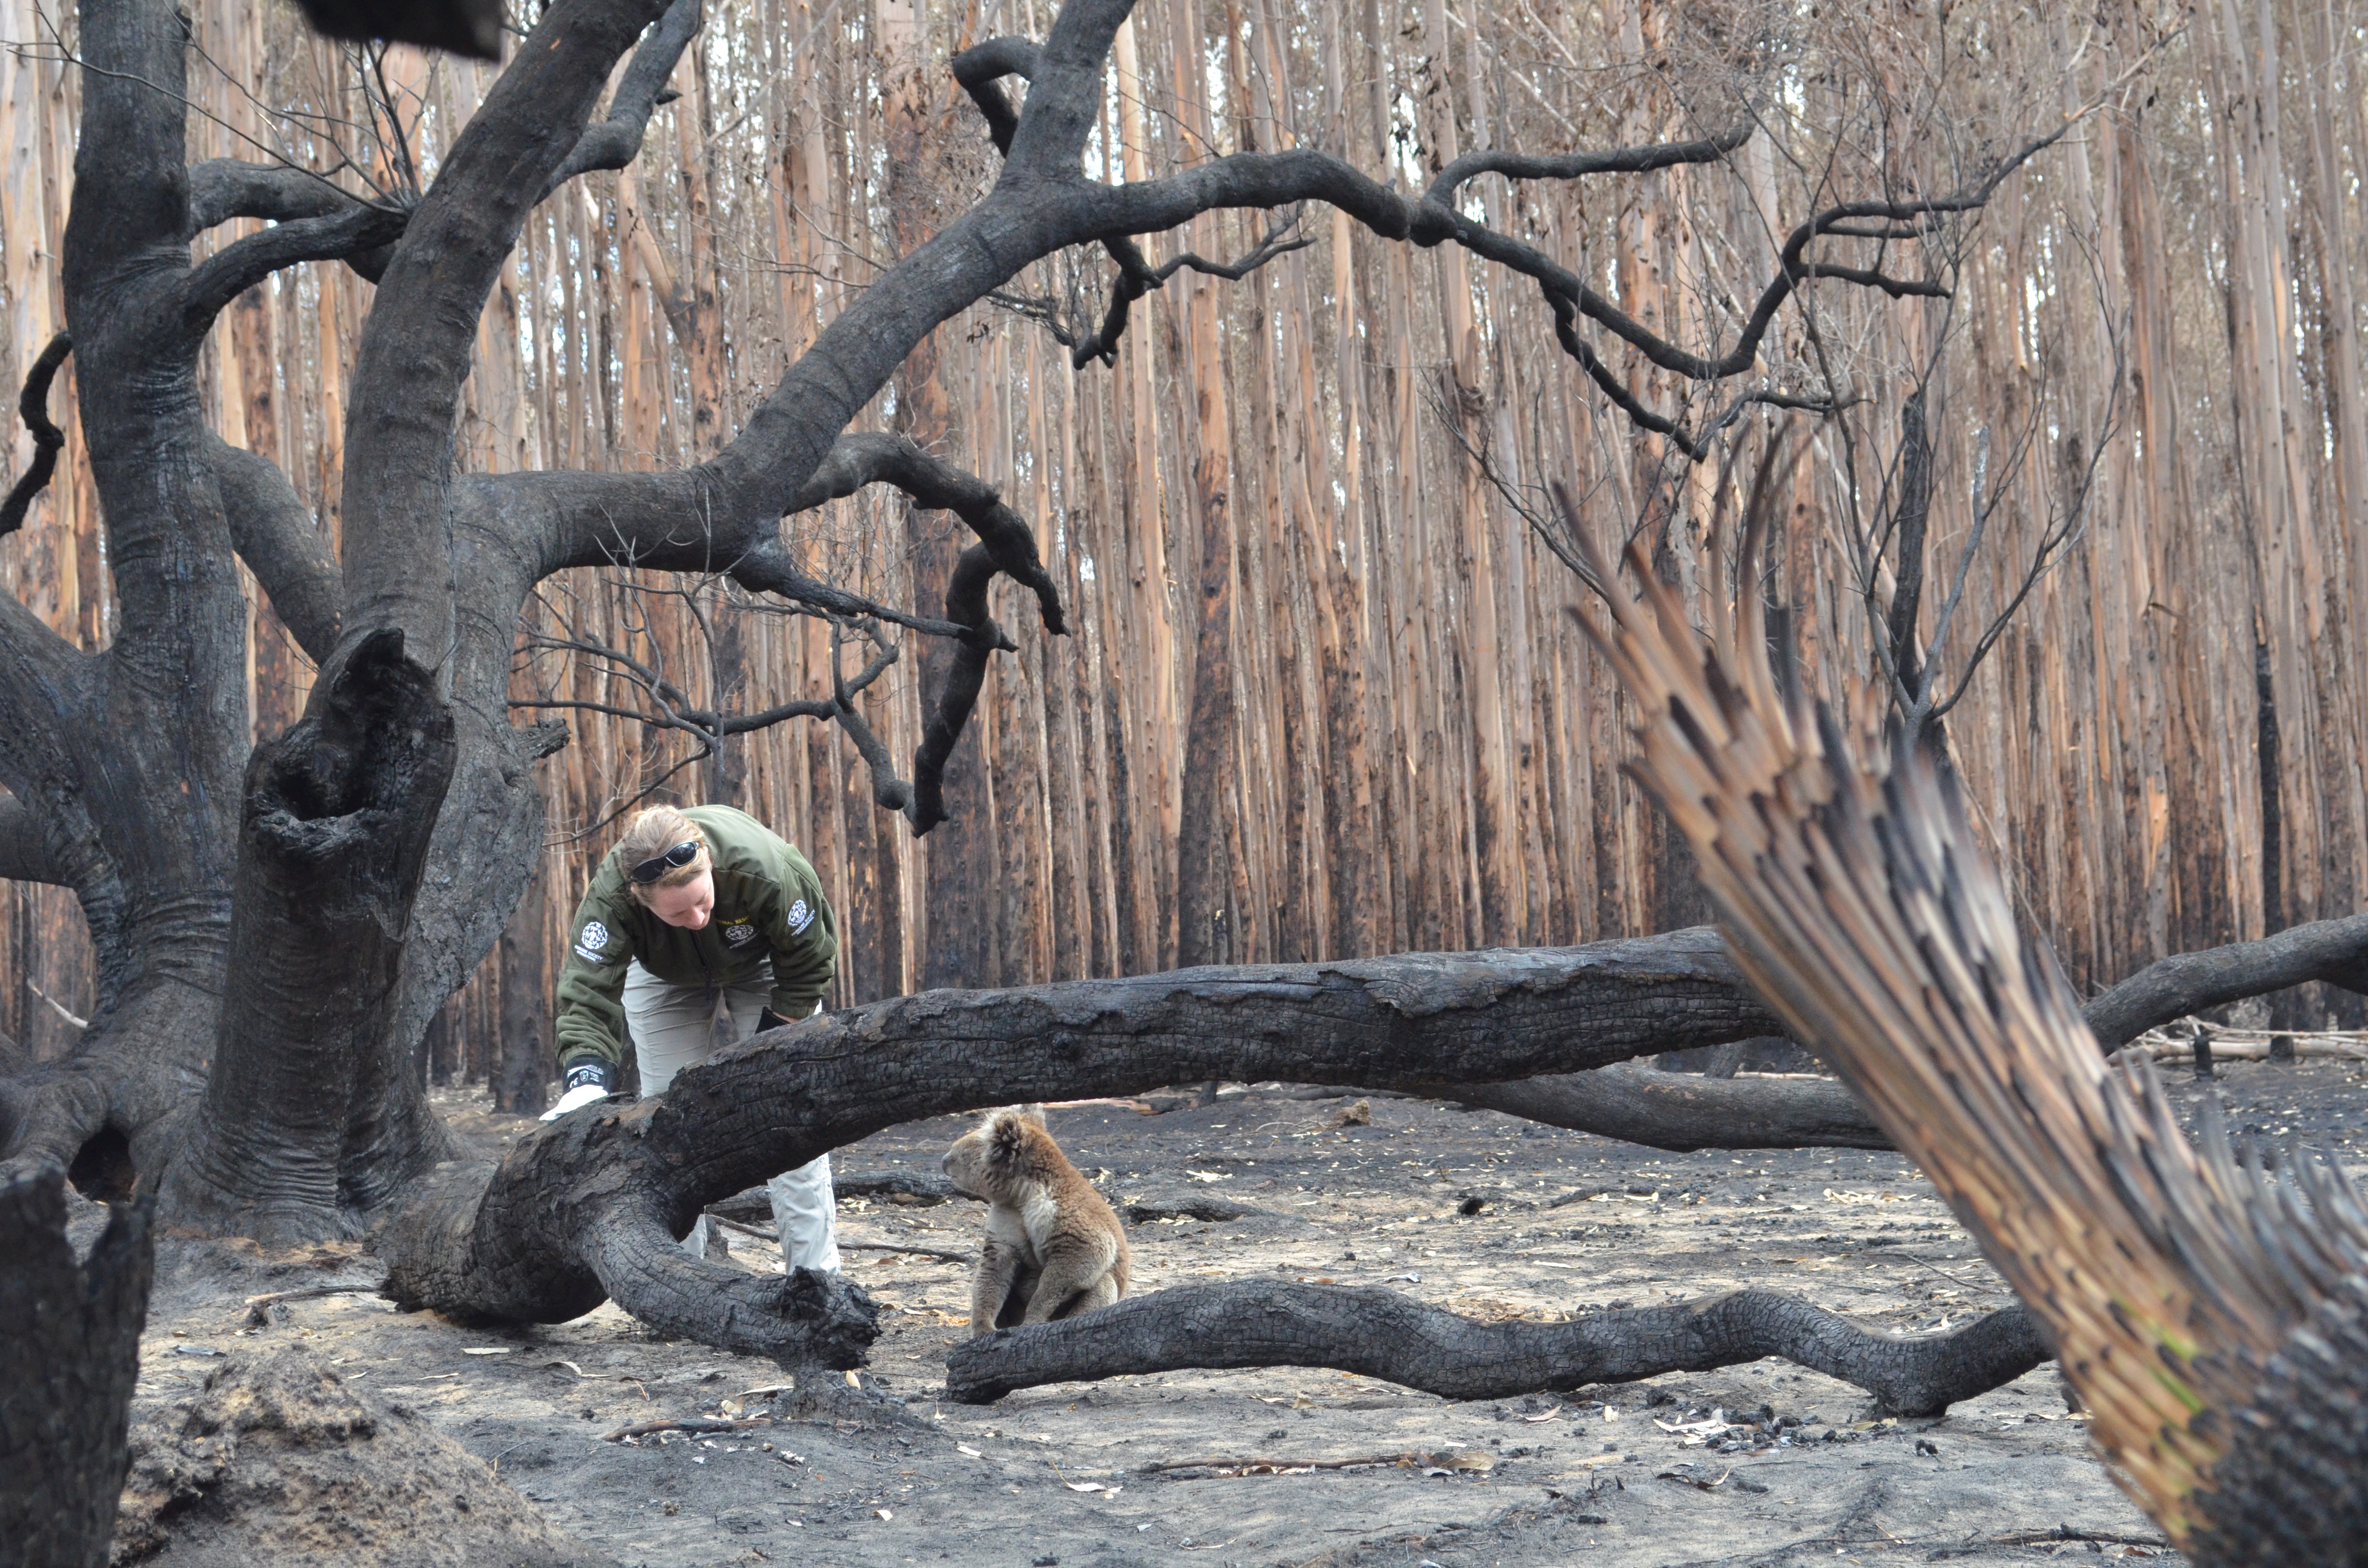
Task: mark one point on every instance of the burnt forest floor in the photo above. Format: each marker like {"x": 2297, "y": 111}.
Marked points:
{"x": 1058, "y": 1474}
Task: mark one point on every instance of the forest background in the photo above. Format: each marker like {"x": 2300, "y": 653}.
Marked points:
{"x": 1321, "y": 698}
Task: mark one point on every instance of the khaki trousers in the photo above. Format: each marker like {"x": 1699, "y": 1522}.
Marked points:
{"x": 674, "y": 1028}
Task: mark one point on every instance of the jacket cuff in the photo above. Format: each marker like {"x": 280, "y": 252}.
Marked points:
{"x": 584, "y": 1070}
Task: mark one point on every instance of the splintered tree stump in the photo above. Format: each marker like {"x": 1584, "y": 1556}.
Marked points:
{"x": 1377, "y": 1333}
{"x": 69, "y": 1356}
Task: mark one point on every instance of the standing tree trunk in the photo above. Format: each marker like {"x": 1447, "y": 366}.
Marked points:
{"x": 69, "y": 1357}
{"x": 523, "y": 1057}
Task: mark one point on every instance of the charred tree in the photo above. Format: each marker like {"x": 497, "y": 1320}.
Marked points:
{"x": 69, "y": 1356}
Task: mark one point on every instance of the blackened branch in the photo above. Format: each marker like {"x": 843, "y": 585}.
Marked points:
{"x": 213, "y": 283}
{"x": 981, "y": 69}
{"x": 1137, "y": 276}
{"x": 614, "y": 142}
{"x": 224, "y": 189}
{"x": 769, "y": 569}
{"x": 273, "y": 533}
{"x": 670, "y": 708}
{"x": 965, "y": 603}
{"x": 34, "y": 405}
{"x": 1375, "y": 1331}
{"x": 867, "y": 458}
{"x": 1275, "y": 179}
{"x": 663, "y": 704}
{"x": 1577, "y": 165}
{"x": 887, "y": 789}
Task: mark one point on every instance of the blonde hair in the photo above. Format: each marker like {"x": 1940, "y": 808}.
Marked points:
{"x": 653, "y": 832}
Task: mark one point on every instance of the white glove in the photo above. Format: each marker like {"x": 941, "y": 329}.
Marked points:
{"x": 587, "y": 1081}
{"x": 576, "y": 1099}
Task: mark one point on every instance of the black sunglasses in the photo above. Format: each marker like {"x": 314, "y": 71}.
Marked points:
{"x": 674, "y": 859}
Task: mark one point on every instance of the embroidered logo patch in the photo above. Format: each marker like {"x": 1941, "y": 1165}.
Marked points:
{"x": 738, "y": 933}
{"x": 595, "y": 936}
{"x": 799, "y": 916}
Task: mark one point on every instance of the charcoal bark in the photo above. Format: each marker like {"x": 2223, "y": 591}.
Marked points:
{"x": 69, "y": 1357}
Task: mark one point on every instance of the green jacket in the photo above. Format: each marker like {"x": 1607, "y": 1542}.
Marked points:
{"x": 769, "y": 904}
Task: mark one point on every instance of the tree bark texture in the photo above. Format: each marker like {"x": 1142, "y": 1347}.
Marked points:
{"x": 1378, "y": 1333}
{"x": 339, "y": 811}
{"x": 522, "y": 1064}
{"x": 69, "y": 1357}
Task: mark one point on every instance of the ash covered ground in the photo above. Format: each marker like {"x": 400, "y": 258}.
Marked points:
{"x": 1768, "y": 1463}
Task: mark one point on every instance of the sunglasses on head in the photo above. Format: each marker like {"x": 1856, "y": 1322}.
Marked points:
{"x": 674, "y": 859}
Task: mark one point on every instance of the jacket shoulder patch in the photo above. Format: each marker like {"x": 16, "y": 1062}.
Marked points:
{"x": 591, "y": 941}
{"x": 800, "y": 915}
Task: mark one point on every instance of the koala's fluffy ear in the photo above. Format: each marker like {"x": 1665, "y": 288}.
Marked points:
{"x": 1008, "y": 1140}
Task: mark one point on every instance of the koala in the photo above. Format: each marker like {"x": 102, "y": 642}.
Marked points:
{"x": 1053, "y": 1248}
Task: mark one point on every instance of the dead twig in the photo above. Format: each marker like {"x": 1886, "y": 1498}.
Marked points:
{"x": 948, "y": 1255}
{"x": 695, "y": 1425}
{"x": 1454, "y": 1460}
{"x": 55, "y": 1006}
{"x": 258, "y": 1308}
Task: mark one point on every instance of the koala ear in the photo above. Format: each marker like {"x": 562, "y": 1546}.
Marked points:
{"x": 1009, "y": 1136}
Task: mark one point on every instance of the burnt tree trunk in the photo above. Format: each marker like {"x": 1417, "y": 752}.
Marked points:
{"x": 523, "y": 1057}
{"x": 69, "y": 1357}
{"x": 338, "y": 815}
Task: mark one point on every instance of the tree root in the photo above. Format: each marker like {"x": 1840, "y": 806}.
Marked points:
{"x": 1684, "y": 1112}
{"x": 1377, "y": 1333}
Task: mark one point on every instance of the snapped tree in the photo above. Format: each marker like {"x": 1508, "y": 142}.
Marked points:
{"x": 275, "y": 926}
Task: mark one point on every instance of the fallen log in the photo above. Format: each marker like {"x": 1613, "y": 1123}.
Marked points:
{"x": 1378, "y": 1333}
{"x": 1686, "y": 1111}
{"x": 587, "y": 1207}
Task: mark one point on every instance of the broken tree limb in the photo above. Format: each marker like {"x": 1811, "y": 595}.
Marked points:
{"x": 580, "y": 1210}
{"x": 1377, "y": 1333}
{"x": 2333, "y": 950}
{"x": 1684, "y": 1112}
{"x": 802, "y": 1319}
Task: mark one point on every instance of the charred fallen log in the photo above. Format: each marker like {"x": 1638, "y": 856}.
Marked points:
{"x": 575, "y": 1210}
{"x": 1378, "y": 1333}
{"x": 1684, "y": 1112}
